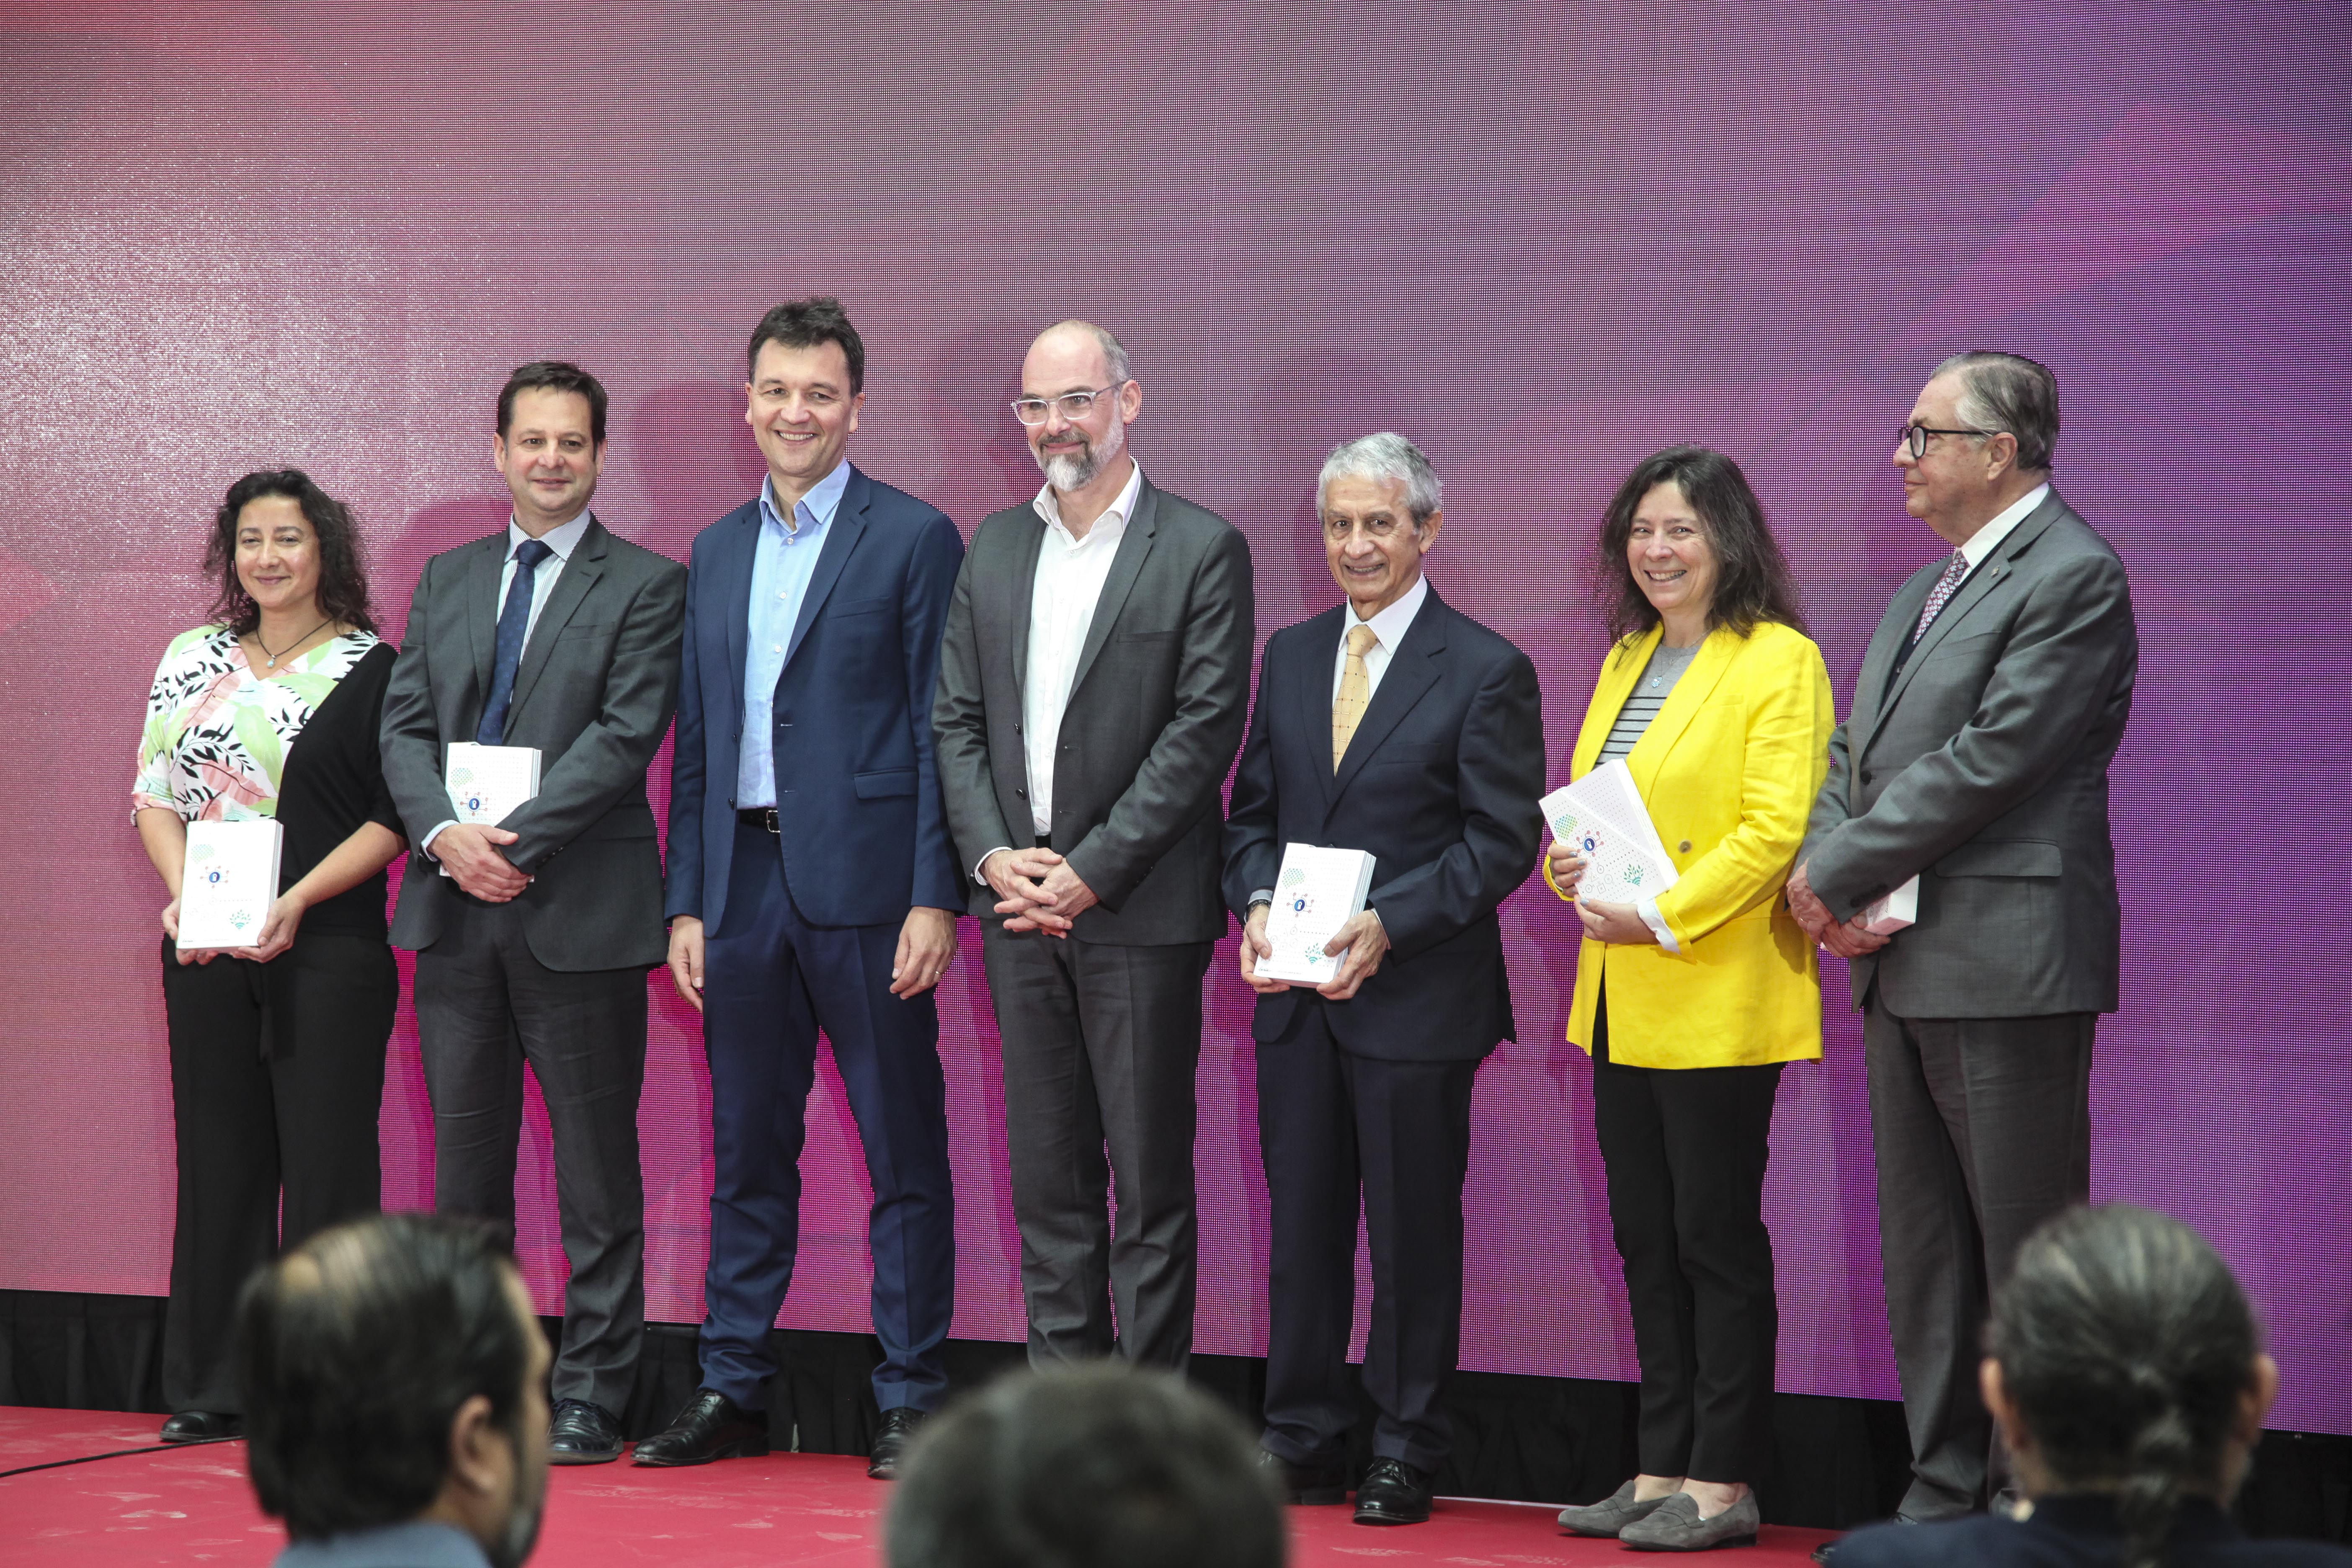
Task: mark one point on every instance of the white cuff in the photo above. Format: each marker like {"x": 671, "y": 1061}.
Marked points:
{"x": 1000, "y": 849}
{"x": 425, "y": 845}
{"x": 1648, "y": 909}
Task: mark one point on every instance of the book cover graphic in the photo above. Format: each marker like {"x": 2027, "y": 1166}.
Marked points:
{"x": 1317, "y": 891}
{"x": 228, "y": 882}
{"x": 1602, "y": 817}
{"x": 488, "y": 782}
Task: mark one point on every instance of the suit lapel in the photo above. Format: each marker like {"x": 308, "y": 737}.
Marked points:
{"x": 1618, "y": 673}
{"x": 1133, "y": 546}
{"x": 841, "y": 537}
{"x": 1412, "y": 670}
{"x": 1682, "y": 705}
{"x": 1980, "y": 582}
{"x": 1028, "y": 537}
{"x": 571, "y": 585}
{"x": 1870, "y": 697}
{"x": 737, "y": 551}
{"x": 481, "y": 591}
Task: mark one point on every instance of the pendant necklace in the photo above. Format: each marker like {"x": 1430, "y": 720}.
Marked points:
{"x": 298, "y": 642}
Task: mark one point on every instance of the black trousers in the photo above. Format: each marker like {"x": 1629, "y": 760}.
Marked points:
{"x": 1100, "y": 1046}
{"x": 277, "y": 1082}
{"x": 1686, "y": 1149}
{"x": 1335, "y": 1131}
{"x": 484, "y": 1006}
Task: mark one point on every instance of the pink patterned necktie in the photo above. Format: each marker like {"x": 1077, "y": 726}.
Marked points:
{"x": 1946, "y": 586}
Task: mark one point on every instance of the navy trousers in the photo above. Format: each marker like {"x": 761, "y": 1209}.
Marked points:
{"x": 770, "y": 981}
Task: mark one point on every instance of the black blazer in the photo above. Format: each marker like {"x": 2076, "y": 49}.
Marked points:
{"x": 1440, "y": 783}
{"x": 1150, "y": 731}
{"x": 2074, "y": 1532}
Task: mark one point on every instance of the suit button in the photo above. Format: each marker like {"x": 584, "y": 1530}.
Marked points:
{"x": 1021, "y": 793}
{"x": 1684, "y": 847}
{"x": 1865, "y": 775}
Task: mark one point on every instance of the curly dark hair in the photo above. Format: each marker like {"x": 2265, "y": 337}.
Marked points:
{"x": 342, "y": 579}
{"x": 1752, "y": 580}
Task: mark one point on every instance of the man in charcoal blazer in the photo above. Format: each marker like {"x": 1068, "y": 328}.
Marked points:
{"x": 812, "y": 884}
{"x": 1396, "y": 725}
{"x": 533, "y": 947}
{"x": 1975, "y": 758}
{"x": 1092, "y": 686}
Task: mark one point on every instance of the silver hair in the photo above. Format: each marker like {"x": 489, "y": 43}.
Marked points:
{"x": 1122, "y": 369}
{"x": 2009, "y": 394}
{"x": 1385, "y": 455}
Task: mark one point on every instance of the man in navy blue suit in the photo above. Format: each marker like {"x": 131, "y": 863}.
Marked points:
{"x": 1393, "y": 723}
{"x": 810, "y": 883}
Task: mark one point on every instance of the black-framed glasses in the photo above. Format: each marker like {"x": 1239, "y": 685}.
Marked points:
{"x": 1074, "y": 404}
{"x": 1915, "y": 437}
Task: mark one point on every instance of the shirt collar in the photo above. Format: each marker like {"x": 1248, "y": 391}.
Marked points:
{"x": 1111, "y": 523}
{"x": 815, "y": 509}
{"x": 1389, "y": 626}
{"x": 561, "y": 539}
{"x": 421, "y": 1543}
{"x": 1986, "y": 540}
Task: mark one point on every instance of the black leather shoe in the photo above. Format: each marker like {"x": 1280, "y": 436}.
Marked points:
{"x": 1316, "y": 1484}
{"x": 582, "y": 1433}
{"x": 890, "y": 1442}
{"x": 1392, "y": 1492}
{"x": 711, "y": 1426}
{"x": 201, "y": 1426}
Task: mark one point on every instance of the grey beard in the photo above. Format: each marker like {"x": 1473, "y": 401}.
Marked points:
{"x": 1067, "y": 473}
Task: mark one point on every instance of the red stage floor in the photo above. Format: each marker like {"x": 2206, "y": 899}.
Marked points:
{"x": 193, "y": 1505}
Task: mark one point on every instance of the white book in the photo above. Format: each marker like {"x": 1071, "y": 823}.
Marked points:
{"x": 228, "y": 882}
{"x": 1602, "y": 817}
{"x": 1317, "y": 891}
{"x": 1895, "y": 910}
{"x": 488, "y": 782}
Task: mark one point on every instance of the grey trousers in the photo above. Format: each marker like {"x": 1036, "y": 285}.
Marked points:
{"x": 484, "y": 1006}
{"x": 1982, "y": 1129}
{"x": 1100, "y": 1045}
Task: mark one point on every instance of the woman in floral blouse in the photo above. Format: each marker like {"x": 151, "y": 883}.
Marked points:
{"x": 278, "y": 1049}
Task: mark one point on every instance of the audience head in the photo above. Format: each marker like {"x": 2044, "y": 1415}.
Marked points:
{"x": 806, "y": 384}
{"x": 393, "y": 1372}
{"x": 550, "y": 446}
{"x": 1686, "y": 531}
{"x": 2124, "y": 1359}
{"x": 278, "y": 540}
{"x": 1098, "y": 1465}
{"x": 1983, "y": 432}
{"x": 1381, "y": 507}
{"x": 1079, "y": 396}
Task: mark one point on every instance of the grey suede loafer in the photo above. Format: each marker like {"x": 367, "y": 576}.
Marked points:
{"x": 1676, "y": 1525}
{"x": 1611, "y": 1514}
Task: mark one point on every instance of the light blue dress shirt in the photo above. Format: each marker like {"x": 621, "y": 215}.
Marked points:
{"x": 781, "y": 565}
{"x": 416, "y": 1544}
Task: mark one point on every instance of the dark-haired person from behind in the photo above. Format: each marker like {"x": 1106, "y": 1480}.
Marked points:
{"x": 1101, "y": 1465}
{"x": 269, "y": 710}
{"x": 1690, "y": 1000}
{"x": 534, "y": 936}
{"x": 395, "y": 1383}
{"x": 2128, "y": 1379}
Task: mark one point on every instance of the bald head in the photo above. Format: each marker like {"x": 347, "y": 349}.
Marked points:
{"x": 1084, "y": 343}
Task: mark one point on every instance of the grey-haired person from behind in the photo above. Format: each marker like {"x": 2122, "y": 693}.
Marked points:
{"x": 2126, "y": 1369}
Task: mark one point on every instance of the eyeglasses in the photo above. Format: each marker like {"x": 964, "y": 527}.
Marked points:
{"x": 1074, "y": 405}
{"x": 1915, "y": 437}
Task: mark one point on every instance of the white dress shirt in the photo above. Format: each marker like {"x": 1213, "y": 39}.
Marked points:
{"x": 1071, "y": 572}
{"x": 563, "y": 539}
{"x": 1986, "y": 540}
{"x": 1389, "y": 627}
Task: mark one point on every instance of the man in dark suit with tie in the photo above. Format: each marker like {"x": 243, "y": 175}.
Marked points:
{"x": 1092, "y": 687}
{"x": 1396, "y": 725}
{"x": 812, "y": 885}
{"x": 1975, "y": 759}
{"x": 532, "y": 937}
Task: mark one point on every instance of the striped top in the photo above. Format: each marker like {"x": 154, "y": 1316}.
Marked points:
{"x": 1650, "y": 690}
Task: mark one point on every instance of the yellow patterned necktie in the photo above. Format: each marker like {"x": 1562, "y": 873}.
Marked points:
{"x": 1354, "y": 692}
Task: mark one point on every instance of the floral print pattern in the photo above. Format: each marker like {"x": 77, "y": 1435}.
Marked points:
{"x": 214, "y": 746}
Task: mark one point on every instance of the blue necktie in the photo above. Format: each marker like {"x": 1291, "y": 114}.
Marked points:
{"x": 514, "y": 620}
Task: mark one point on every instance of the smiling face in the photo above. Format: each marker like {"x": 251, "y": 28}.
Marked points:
{"x": 549, "y": 457}
{"x": 1670, "y": 557}
{"x": 1955, "y": 487}
{"x": 1370, "y": 538}
{"x": 802, "y": 411}
{"x": 1072, "y": 453}
{"x": 278, "y": 556}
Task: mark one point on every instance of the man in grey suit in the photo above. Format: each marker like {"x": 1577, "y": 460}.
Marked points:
{"x": 1093, "y": 681}
{"x": 1975, "y": 758}
{"x": 532, "y": 937}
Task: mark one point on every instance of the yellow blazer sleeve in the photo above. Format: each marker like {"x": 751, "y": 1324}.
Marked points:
{"x": 1782, "y": 759}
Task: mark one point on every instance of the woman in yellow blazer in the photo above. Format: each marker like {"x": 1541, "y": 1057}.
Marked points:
{"x": 1689, "y": 1002}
